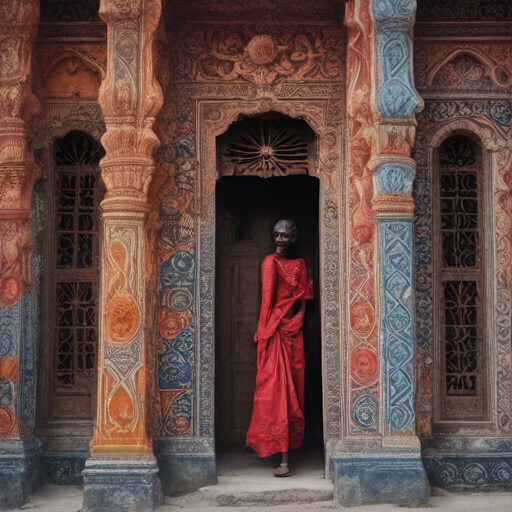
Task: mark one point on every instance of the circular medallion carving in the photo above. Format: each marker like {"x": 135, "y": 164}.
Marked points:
{"x": 475, "y": 474}
{"x": 447, "y": 473}
{"x": 262, "y": 50}
{"x": 362, "y": 318}
{"x": 364, "y": 367}
{"x": 122, "y": 319}
{"x": 10, "y": 290}
{"x": 6, "y": 420}
{"x": 183, "y": 261}
{"x": 365, "y": 411}
{"x": 329, "y": 139}
{"x": 502, "y": 473}
{"x": 178, "y": 299}
{"x": 171, "y": 324}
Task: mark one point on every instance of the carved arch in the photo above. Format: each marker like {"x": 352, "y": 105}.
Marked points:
{"x": 86, "y": 117}
{"x": 92, "y": 64}
{"x": 486, "y": 61}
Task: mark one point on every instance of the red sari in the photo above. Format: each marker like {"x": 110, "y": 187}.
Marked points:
{"x": 277, "y": 422}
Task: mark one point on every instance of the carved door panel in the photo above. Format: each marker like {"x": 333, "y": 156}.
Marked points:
{"x": 247, "y": 209}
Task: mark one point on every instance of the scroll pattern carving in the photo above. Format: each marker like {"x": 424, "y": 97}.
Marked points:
{"x": 130, "y": 97}
{"x": 396, "y": 96}
{"x": 364, "y": 393}
{"x": 462, "y": 67}
{"x": 18, "y": 172}
{"x": 302, "y": 53}
{"x": 465, "y": 10}
{"x": 398, "y": 317}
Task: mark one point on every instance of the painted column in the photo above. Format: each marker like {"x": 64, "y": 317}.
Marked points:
{"x": 122, "y": 471}
{"x": 20, "y": 471}
{"x": 382, "y": 103}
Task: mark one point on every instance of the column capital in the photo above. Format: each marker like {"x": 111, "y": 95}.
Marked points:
{"x": 18, "y": 105}
{"x": 130, "y": 97}
{"x": 392, "y": 188}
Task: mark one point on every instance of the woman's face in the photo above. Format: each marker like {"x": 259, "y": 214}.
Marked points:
{"x": 283, "y": 237}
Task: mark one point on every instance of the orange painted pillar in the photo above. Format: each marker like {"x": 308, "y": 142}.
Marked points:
{"x": 19, "y": 465}
{"x": 122, "y": 470}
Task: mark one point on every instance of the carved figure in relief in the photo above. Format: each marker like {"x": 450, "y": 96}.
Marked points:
{"x": 11, "y": 245}
{"x": 277, "y": 422}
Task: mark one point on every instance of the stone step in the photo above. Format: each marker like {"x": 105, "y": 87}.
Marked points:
{"x": 246, "y": 480}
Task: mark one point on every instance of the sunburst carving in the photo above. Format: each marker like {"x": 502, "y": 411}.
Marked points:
{"x": 266, "y": 148}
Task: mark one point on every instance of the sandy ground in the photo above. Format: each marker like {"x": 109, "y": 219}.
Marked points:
{"x": 69, "y": 499}
{"x": 246, "y": 483}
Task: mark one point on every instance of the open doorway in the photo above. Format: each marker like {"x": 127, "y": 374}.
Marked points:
{"x": 247, "y": 209}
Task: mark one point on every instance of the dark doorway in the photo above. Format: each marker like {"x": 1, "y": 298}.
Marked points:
{"x": 247, "y": 209}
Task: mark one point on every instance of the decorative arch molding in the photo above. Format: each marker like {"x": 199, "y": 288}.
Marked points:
{"x": 488, "y": 62}
{"x": 218, "y": 116}
{"x": 60, "y": 118}
{"x": 90, "y": 63}
{"x": 430, "y": 137}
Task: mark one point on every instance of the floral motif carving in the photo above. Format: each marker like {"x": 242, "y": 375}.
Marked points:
{"x": 265, "y": 60}
{"x": 465, "y": 10}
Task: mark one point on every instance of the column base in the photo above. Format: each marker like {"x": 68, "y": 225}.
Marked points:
{"x": 370, "y": 479}
{"x": 20, "y": 471}
{"x": 121, "y": 485}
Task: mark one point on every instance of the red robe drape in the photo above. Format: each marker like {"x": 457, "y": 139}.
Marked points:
{"x": 277, "y": 422}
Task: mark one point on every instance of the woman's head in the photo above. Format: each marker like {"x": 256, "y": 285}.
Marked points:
{"x": 285, "y": 233}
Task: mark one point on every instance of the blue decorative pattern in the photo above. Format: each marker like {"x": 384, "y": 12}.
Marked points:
{"x": 365, "y": 412}
{"x": 398, "y": 340}
{"x": 393, "y": 179}
{"x": 396, "y": 97}
{"x": 176, "y": 361}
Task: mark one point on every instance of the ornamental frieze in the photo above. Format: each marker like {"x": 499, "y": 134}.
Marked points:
{"x": 293, "y": 53}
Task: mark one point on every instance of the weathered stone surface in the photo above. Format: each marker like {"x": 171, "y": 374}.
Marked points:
{"x": 121, "y": 485}
{"x": 186, "y": 473}
{"x": 20, "y": 471}
{"x": 366, "y": 480}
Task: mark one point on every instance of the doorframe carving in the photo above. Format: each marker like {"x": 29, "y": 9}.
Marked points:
{"x": 216, "y": 116}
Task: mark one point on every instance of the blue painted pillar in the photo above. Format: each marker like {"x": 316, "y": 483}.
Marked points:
{"x": 387, "y": 468}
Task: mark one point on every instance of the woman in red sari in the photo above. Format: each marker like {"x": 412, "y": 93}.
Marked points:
{"x": 277, "y": 422}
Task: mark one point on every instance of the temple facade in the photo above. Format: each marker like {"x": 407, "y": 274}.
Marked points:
{"x": 147, "y": 147}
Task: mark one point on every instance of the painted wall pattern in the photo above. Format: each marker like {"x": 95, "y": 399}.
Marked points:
{"x": 398, "y": 317}
{"x": 396, "y": 95}
{"x": 18, "y": 172}
{"x": 363, "y": 347}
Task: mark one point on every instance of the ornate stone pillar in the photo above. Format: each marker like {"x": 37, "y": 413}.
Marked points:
{"x": 20, "y": 472}
{"x": 122, "y": 471}
{"x": 384, "y": 107}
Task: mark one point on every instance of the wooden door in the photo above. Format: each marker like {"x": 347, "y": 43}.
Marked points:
{"x": 247, "y": 210}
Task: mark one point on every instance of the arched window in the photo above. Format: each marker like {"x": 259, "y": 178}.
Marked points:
{"x": 460, "y": 259}
{"x": 70, "y": 303}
